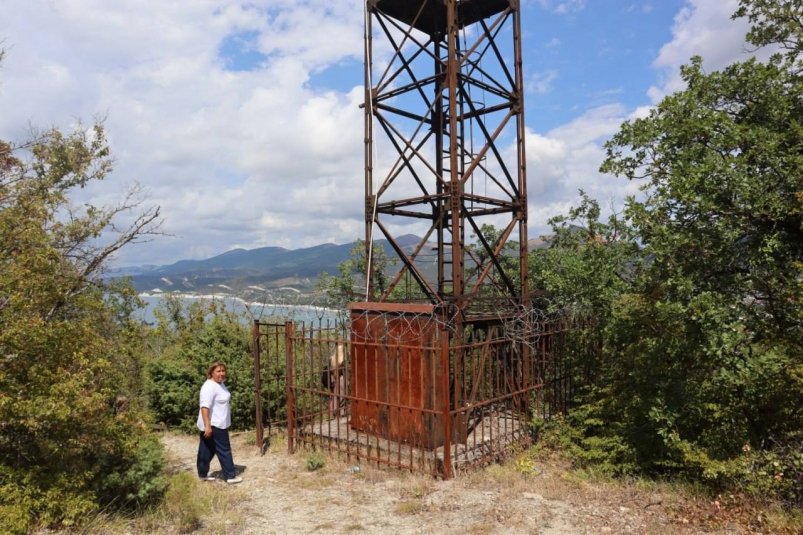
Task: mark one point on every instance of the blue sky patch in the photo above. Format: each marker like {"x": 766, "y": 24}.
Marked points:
{"x": 341, "y": 76}
{"x": 239, "y": 52}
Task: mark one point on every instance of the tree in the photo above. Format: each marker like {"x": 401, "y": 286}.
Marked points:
{"x": 587, "y": 262}
{"x": 722, "y": 161}
{"x": 706, "y": 346}
{"x": 508, "y": 259}
{"x": 776, "y": 22}
{"x": 696, "y": 287}
{"x": 344, "y": 288}
{"x": 70, "y": 441}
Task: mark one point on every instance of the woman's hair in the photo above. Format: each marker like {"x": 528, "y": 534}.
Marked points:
{"x": 213, "y": 367}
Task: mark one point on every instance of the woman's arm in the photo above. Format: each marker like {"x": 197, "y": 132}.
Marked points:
{"x": 207, "y": 422}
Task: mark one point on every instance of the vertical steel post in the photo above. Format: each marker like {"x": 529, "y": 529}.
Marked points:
{"x": 289, "y": 386}
{"x": 447, "y": 403}
{"x": 368, "y": 142}
{"x": 455, "y": 182}
{"x": 521, "y": 212}
{"x": 260, "y": 432}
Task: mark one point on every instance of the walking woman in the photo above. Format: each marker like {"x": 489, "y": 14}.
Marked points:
{"x": 214, "y": 419}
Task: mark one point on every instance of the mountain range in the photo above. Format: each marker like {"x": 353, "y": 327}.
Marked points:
{"x": 244, "y": 271}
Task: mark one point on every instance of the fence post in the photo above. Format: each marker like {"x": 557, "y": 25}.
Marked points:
{"x": 447, "y": 415}
{"x": 289, "y": 391}
{"x": 260, "y": 431}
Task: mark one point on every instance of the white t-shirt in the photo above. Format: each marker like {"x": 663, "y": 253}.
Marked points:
{"x": 215, "y": 397}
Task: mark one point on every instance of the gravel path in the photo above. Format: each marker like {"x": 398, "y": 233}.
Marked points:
{"x": 279, "y": 495}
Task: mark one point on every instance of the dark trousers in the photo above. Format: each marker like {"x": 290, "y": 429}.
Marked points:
{"x": 218, "y": 444}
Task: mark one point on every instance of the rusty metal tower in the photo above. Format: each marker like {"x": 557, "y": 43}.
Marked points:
{"x": 444, "y": 146}
{"x": 444, "y": 365}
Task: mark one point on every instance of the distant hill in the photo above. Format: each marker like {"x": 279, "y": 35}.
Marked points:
{"x": 239, "y": 269}
{"x": 264, "y": 268}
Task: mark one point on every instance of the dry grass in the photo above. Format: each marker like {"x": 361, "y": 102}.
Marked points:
{"x": 371, "y": 475}
{"x": 211, "y": 509}
{"x": 528, "y": 493}
{"x": 409, "y": 507}
{"x": 103, "y": 522}
{"x": 190, "y": 505}
{"x": 481, "y": 528}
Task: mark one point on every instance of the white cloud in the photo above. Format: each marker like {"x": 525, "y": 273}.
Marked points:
{"x": 541, "y": 82}
{"x": 265, "y": 156}
{"x": 645, "y": 7}
{"x": 566, "y": 160}
{"x": 225, "y": 154}
{"x": 552, "y": 43}
{"x": 563, "y": 6}
{"x": 701, "y": 28}
{"x": 314, "y": 33}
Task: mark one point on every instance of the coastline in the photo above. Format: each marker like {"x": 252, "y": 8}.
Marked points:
{"x": 288, "y": 310}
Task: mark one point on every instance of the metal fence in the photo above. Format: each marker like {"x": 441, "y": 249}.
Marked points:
{"x": 402, "y": 390}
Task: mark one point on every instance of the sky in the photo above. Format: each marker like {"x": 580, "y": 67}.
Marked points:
{"x": 241, "y": 120}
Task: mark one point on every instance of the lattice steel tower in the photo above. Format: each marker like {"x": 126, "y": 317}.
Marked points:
{"x": 444, "y": 134}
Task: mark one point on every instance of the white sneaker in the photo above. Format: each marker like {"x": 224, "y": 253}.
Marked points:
{"x": 234, "y": 480}
{"x": 209, "y": 478}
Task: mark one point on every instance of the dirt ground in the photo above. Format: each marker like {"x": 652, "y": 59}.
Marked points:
{"x": 280, "y": 495}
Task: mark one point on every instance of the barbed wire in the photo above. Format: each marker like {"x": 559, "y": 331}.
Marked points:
{"x": 401, "y": 325}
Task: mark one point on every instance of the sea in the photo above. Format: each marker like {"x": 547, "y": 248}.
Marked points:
{"x": 248, "y": 311}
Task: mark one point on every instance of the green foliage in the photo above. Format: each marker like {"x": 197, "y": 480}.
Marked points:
{"x": 273, "y": 385}
{"x": 183, "y": 502}
{"x": 315, "y": 461}
{"x": 137, "y": 479}
{"x": 723, "y": 210}
{"x": 171, "y": 392}
{"x": 72, "y": 436}
{"x": 349, "y": 284}
{"x": 488, "y": 240}
{"x": 775, "y": 22}
{"x": 774, "y": 472}
{"x": 191, "y": 338}
{"x": 588, "y": 262}
{"x": 698, "y": 296}
{"x": 28, "y": 499}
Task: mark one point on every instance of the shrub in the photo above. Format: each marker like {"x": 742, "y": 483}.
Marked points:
{"x": 175, "y": 380}
{"x": 315, "y": 461}
{"x": 172, "y": 391}
{"x": 40, "y": 497}
{"x": 183, "y": 503}
{"x": 137, "y": 479}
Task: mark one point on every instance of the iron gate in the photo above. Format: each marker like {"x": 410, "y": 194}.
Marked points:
{"x": 270, "y": 379}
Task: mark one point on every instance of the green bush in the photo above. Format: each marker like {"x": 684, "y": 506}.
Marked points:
{"x": 774, "y": 473}
{"x": 183, "y": 503}
{"x": 137, "y": 479}
{"x": 40, "y": 497}
{"x": 198, "y": 338}
{"x": 315, "y": 461}
{"x": 72, "y": 432}
{"x": 172, "y": 389}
